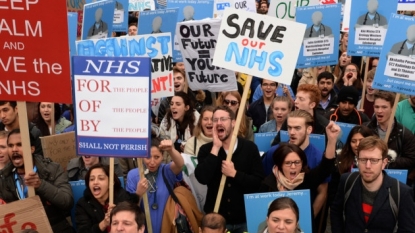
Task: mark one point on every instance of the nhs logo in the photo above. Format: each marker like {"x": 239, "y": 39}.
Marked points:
{"x": 222, "y": 6}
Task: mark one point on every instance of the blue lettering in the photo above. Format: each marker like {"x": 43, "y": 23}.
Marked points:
{"x": 233, "y": 49}
{"x": 275, "y": 72}
{"x": 137, "y": 47}
{"x": 164, "y": 43}
{"x": 261, "y": 60}
{"x": 150, "y": 41}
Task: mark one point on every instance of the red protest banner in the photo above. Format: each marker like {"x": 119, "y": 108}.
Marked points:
{"x": 34, "y": 58}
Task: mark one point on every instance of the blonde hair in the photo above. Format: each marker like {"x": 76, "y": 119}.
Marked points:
{"x": 198, "y": 129}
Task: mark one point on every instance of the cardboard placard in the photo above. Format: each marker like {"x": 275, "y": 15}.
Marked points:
{"x": 259, "y": 45}
{"x": 24, "y": 214}
{"x": 198, "y": 42}
{"x": 108, "y": 87}
{"x": 60, "y": 148}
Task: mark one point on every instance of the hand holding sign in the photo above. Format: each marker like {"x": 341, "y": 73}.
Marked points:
{"x": 32, "y": 179}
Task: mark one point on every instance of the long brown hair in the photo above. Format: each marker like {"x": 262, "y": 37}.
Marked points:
{"x": 357, "y": 84}
{"x": 198, "y": 129}
{"x": 189, "y": 117}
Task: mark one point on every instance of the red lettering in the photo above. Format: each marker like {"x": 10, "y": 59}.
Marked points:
{"x": 87, "y": 124}
{"x": 85, "y": 105}
{"x": 94, "y": 85}
{"x": 8, "y": 225}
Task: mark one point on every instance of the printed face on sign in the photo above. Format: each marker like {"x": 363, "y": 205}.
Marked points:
{"x": 283, "y": 220}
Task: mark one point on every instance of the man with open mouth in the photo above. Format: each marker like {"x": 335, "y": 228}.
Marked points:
{"x": 47, "y": 178}
{"x": 244, "y": 170}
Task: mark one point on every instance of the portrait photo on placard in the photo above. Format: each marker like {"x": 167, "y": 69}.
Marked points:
{"x": 98, "y": 20}
{"x": 368, "y": 26}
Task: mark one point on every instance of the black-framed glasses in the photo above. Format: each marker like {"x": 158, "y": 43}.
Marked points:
{"x": 222, "y": 119}
{"x": 372, "y": 160}
{"x": 232, "y": 102}
{"x": 290, "y": 163}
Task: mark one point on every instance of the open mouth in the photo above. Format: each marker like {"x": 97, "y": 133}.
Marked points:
{"x": 379, "y": 117}
{"x": 96, "y": 190}
{"x": 293, "y": 175}
{"x": 174, "y": 114}
{"x": 209, "y": 127}
{"x": 176, "y": 86}
{"x": 17, "y": 158}
{"x": 268, "y": 93}
{"x": 220, "y": 130}
{"x": 292, "y": 139}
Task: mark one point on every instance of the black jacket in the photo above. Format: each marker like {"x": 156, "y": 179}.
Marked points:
{"x": 381, "y": 219}
{"x": 35, "y": 132}
{"x": 332, "y": 104}
{"x": 402, "y": 141}
{"x": 249, "y": 174}
{"x": 89, "y": 212}
{"x": 353, "y": 118}
{"x": 319, "y": 127}
{"x": 55, "y": 191}
{"x": 258, "y": 113}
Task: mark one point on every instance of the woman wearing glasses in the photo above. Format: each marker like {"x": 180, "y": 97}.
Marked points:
{"x": 232, "y": 99}
{"x": 291, "y": 172}
{"x": 180, "y": 120}
{"x": 350, "y": 77}
{"x": 153, "y": 182}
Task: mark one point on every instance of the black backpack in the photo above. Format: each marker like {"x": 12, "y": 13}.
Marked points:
{"x": 394, "y": 195}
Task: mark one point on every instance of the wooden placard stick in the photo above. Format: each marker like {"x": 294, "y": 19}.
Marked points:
{"x": 145, "y": 198}
{"x": 241, "y": 111}
{"x": 24, "y": 134}
{"x": 361, "y": 65}
{"x": 52, "y": 120}
{"x": 362, "y": 101}
{"x": 392, "y": 118}
{"x": 111, "y": 191}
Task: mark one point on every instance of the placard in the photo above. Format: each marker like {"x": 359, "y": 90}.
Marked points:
{"x": 163, "y": 20}
{"x": 396, "y": 72}
{"x": 156, "y": 46}
{"x": 369, "y": 21}
{"x": 398, "y": 174}
{"x": 347, "y": 7}
{"x": 406, "y": 5}
{"x": 245, "y": 5}
{"x": 120, "y": 19}
{"x": 198, "y": 42}
{"x": 98, "y": 20}
{"x": 285, "y": 9}
{"x": 256, "y": 208}
{"x": 72, "y": 30}
{"x": 264, "y": 140}
{"x": 321, "y": 39}
{"x": 258, "y": 45}
{"x": 107, "y": 124}
{"x": 318, "y": 140}
{"x": 24, "y": 214}
{"x": 31, "y": 37}
{"x": 60, "y": 148}
{"x": 141, "y": 5}
{"x": 189, "y": 10}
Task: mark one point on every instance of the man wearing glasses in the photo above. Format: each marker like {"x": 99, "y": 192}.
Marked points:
{"x": 244, "y": 173}
{"x": 368, "y": 204}
{"x": 259, "y": 110}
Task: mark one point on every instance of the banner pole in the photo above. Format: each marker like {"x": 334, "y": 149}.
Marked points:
{"x": 362, "y": 102}
{"x": 241, "y": 111}
{"x": 111, "y": 191}
{"x": 145, "y": 198}
{"x": 24, "y": 135}
{"x": 392, "y": 118}
{"x": 52, "y": 120}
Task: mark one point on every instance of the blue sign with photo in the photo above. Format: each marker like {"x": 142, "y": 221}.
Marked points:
{"x": 98, "y": 20}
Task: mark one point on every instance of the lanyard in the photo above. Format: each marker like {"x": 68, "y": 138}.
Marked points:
{"x": 20, "y": 188}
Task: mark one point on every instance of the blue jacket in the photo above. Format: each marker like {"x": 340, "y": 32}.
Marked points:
{"x": 381, "y": 219}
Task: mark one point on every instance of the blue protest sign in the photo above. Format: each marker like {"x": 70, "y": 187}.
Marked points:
{"x": 369, "y": 21}
{"x": 156, "y": 46}
{"x": 321, "y": 39}
{"x": 318, "y": 140}
{"x": 120, "y": 20}
{"x": 398, "y": 174}
{"x": 163, "y": 20}
{"x": 346, "y": 128}
{"x": 264, "y": 140}
{"x": 396, "y": 68}
{"x": 256, "y": 208}
{"x": 189, "y": 10}
{"x": 98, "y": 20}
{"x": 72, "y": 29}
{"x": 141, "y": 5}
{"x": 101, "y": 87}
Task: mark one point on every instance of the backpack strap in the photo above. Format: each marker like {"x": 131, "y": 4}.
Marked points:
{"x": 350, "y": 181}
{"x": 394, "y": 200}
{"x": 194, "y": 147}
{"x": 169, "y": 188}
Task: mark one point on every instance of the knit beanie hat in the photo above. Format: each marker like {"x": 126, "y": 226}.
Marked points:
{"x": 348, "y": 93}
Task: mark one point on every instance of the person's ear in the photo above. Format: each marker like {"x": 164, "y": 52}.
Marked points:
{"x": 309, "y": 130}
{"x": 186, "y": 107}
{"x": 384, "y": 163}
{"x": 32, "y": 149}
{"x": 312, "y": 105}
{"x": 142, "y": 229}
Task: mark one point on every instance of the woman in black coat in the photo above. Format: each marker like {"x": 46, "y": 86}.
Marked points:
{"x": 92, "y": 213}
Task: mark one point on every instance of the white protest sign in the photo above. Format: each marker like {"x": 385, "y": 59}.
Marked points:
{"x": 220, "y": 5}
{"x": 346, "y": 16}
{"x": 399, "y": 66}
{"x": 198, "y": 43}
{"x": 406, "y": 5}
{"x": 259, "y": 45}
{"x": 285, "y": 9}
{"x": 141, "y": 5}
{"x": 368, "y": 35}
{"x": 318, "y": 46}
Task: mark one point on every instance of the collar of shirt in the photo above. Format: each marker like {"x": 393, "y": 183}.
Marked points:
{"x": 382, "y": 129}
{"x": 371, "y": 16}
{"x": 409, "y": 45}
